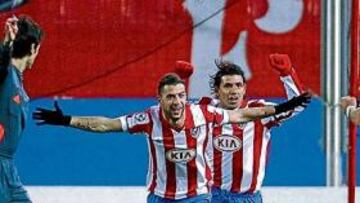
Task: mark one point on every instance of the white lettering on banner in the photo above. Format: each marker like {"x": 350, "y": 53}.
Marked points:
{"x": 282, "y": 16}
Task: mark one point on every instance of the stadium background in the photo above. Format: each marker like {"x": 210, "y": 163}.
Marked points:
{"x": 105, "y": 57}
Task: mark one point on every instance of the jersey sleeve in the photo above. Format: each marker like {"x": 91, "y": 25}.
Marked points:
{"x": 292, "y": 84}
{"x": 140, "y": 122}
{"x": 293, "y": 87}
{"x": 217, "y": 116}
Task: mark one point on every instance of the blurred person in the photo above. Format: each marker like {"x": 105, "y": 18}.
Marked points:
{"x": 177, "y": 134}
{"x": 239, "y": 151}
{"x": 18, "y": 53}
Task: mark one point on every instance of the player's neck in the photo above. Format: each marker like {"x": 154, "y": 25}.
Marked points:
{"x": 19, "y": 64}
{"x": 178, "y": 123}
{"x": 175, "y": 123}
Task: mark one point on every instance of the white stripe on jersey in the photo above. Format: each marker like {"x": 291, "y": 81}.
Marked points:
{"x": 198, "y": 115}
{"x": 266, "y": 139}
{"x": 248, "y": 156}
{"x": 181, "y": 169}
{"x": 201, "y": 162}
{"x": 226, "y": 160}
{"x": 290, "y": 86}
{"x": 157, "y": 138}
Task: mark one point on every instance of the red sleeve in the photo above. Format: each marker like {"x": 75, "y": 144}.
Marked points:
{"x": 205, "y": 101}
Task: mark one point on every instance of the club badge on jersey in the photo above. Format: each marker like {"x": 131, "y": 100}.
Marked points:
{"x": 138, "y": 119}
{"x": 195, "y": 132}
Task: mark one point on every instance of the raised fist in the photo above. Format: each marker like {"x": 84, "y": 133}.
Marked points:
{"x": 184, "y": 69}
{"x": 281, "y": 63}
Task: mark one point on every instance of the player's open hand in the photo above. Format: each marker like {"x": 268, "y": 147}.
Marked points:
{"x": 281, "y": 63}
{"x": 51, "y": 117}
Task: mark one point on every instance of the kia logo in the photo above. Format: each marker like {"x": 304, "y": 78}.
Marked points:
{"x": 227, "y": 143}
{"x": 180, "y": 155}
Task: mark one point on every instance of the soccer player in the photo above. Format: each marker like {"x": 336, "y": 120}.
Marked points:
{"x": 177, "y": 134}
{"x": 349, "y": 104}
{"x": 239, "y": 151}
{"x": 23, "y": 35}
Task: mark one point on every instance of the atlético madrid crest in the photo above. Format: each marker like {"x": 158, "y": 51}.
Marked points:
{"x": 195, "y": 132}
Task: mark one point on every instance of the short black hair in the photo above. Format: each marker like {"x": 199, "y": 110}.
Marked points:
{"x": 169, "y": 79}
{"x": 224, "y": 68}
{"x": 29, "y": 33}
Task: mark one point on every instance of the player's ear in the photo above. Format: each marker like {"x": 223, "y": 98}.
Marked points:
{"x": 244, "y": 97}
{"x": 216, "y": 92}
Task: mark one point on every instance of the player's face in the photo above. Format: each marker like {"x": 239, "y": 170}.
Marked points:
{"x": 231, "y": 91}
{"x": 172, "y": 101}
{"x": 32, "y": 57}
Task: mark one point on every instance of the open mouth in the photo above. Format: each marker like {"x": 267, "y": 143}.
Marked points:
{"x": 176, "y": 110}
{"x": 233, "y": 99}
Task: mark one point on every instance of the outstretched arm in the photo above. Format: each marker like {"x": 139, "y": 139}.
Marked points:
{"x": 249, "y": 114}
{"x": 91, "y": 123}
{"x": 281, "y": 63}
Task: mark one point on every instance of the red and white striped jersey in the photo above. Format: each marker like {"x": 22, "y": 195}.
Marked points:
{"x": 177, "y": 164}
{"x": 239, "y": 153}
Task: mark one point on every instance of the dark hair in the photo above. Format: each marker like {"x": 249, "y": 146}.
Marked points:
{"x": 169, "y": 79}
{"x": 29, "y": 33}
{"x": 224, "y": 68}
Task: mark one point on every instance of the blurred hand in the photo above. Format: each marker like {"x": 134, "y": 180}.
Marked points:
{"x": 347, "y": 101}
{"x": 281, "y": 63}
{"x": 11, "y": 29}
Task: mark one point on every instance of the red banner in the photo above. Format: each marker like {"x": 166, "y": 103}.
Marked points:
{"x": 120, "y": 48}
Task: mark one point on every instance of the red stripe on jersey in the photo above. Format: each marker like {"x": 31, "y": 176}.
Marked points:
{"x": 205, "y": 101}
{"x": 296, "y": 80}
{"x": 169, "y": 144}
{"x": 257, "y": 153}
{"x": 237, "y": 170}
{"x": 191, "y": 144}
{"x": 154, "y": 165}
{"x": 191, "y": 165}
{"x": 153, "y": 155}
{"x": 217, "y": 159}
{"x": 209, "y": 117}
{"x": 189, "y": 119}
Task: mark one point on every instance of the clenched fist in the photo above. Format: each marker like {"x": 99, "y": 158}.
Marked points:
{"x": 281, "y": 63}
